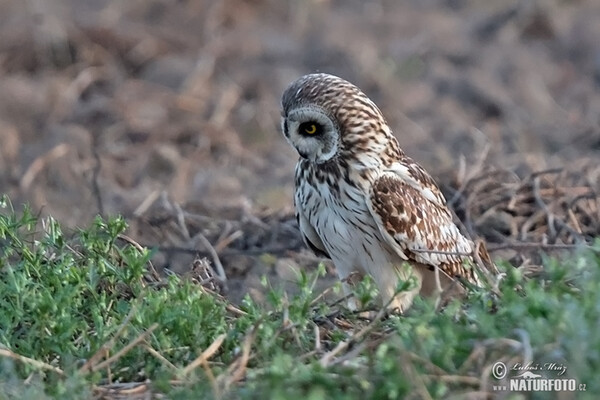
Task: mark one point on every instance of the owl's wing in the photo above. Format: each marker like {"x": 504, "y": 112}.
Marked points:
{"x": 412, "y": 216}
{"x": 310, "y": 236}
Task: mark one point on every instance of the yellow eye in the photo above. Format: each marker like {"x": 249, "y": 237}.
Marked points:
{"x": 310, "y": 128}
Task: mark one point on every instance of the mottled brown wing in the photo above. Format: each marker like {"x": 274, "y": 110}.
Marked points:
{"x": 412, "y": 216}
{"x": 414, "y": 175}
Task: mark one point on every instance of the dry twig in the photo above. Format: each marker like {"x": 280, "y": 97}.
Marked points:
{"x": 30, "y": 361}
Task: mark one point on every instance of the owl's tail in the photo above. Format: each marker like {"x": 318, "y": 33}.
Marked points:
{"x": 485, "y": 266}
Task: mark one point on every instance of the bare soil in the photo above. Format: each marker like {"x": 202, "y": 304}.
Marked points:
{"x": 167, "y": 112}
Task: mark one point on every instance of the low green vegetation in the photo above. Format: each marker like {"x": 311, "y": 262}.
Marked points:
{"x": 81, "y": 318}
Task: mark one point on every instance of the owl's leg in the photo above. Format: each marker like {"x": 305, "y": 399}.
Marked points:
{"x": 442, "y": 289}
{"x": 349, "y": 277}
{"x": 388, "y": 278}
{"x": 351, "y": 302}
{"x": 435, "y": 281}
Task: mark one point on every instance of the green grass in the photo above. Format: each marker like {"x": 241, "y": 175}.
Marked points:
{"x": 69, "y": 302}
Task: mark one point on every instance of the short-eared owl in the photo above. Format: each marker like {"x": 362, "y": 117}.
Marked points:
{"x": 361, "y": 201}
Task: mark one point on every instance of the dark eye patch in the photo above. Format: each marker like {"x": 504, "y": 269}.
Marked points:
{"x": 310, "y": 128}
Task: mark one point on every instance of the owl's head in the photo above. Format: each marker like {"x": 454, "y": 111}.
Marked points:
{"x": 324, "y": 116}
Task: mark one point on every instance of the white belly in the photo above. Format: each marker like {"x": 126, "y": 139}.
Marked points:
{"x": 347, "y": 229}
{"x": 353, "y": 240}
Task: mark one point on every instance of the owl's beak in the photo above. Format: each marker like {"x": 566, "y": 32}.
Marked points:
{"x": 303, "y": 154}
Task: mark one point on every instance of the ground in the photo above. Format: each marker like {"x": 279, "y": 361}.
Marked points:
{"x": 167, "y": 112}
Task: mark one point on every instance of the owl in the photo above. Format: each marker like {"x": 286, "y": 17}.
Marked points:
{"x": 363, "y": 203}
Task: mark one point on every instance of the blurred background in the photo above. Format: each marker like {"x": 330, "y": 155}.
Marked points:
{"x": 158, "y": 109}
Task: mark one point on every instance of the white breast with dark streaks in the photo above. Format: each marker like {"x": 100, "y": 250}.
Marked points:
{"x": 344, "y": 224}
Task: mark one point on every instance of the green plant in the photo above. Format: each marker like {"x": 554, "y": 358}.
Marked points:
{"x": 79, "y": 316}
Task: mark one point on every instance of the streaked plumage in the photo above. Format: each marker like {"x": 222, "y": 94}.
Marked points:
{"x": 361, "y": 201}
